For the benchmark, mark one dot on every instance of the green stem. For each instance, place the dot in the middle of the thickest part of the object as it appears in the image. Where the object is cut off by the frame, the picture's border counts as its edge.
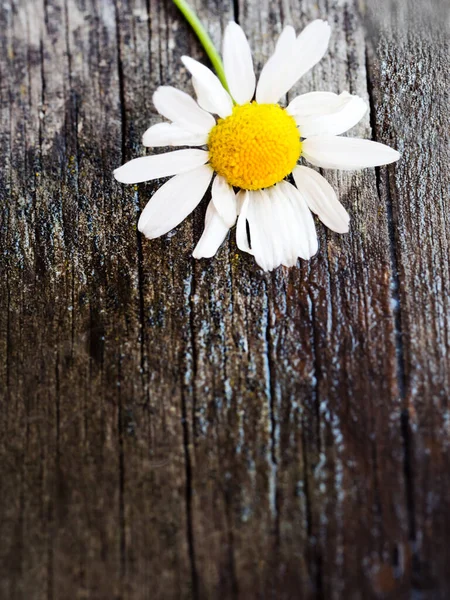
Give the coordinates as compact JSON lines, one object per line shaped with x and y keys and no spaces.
{"x":204,"y":38}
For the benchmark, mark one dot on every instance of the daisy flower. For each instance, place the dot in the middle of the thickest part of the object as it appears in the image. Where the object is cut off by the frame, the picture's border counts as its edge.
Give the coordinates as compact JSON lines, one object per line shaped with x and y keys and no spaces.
{"x":247,"y":145}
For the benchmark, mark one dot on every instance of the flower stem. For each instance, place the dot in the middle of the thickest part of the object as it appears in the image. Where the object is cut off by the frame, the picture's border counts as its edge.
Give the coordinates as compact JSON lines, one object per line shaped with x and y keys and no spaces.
{"x":204,"y":38}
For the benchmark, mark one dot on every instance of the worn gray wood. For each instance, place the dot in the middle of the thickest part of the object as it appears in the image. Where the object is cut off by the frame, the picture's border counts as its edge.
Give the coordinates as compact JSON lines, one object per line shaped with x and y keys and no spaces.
{"x":175,"y":429}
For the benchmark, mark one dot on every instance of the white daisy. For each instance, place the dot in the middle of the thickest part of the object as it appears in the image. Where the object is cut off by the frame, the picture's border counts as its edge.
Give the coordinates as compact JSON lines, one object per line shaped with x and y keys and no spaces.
{"x":252,"y":147}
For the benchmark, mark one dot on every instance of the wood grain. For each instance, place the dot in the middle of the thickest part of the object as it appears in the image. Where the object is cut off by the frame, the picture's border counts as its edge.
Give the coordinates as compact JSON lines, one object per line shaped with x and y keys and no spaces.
{"x":172,"y":428}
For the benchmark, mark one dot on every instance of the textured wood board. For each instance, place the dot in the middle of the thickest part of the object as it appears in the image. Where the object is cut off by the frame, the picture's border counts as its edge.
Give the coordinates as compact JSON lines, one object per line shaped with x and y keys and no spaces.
{"x":173,"y":428}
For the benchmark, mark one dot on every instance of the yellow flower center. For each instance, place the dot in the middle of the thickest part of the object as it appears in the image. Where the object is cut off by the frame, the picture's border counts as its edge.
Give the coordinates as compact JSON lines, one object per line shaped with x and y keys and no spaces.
{"x":255,"y":147}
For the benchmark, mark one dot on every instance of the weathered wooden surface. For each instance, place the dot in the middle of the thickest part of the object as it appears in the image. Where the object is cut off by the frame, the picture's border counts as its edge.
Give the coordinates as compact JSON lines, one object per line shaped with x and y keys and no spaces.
{"x":177,"y":429}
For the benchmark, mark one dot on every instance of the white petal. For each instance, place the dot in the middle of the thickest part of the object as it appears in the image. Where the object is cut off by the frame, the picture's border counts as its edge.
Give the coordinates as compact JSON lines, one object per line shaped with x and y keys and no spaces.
{"x":182,"y":110}
{"x":258,"y":217}
{"x":286,"y":39}
{"x":321,"y":199}
{"x":147,"y":168}
{"x":284,"y":225}
{"x":281,"y":227}
{"x":291,"y":60}
{"x":243,"y":199}
{"x":169,"y":134}
{"x":310,"y":48}
{"x":277,"y":68}
{"x":238,"y":64}
{"x":330,"y":152}
{"x":174,"y":200}
{"x":275,"y":224}
{"x":240,"y":197}
{"x":312,"y":103}
{"x":213,"y":235}
{"x":277,"y":227}
{"x":211,"y":95}
{"x":324,"y":113}
{"x":224,"y":200}
{"x":295,"y":238}
{"x":303,"y":223}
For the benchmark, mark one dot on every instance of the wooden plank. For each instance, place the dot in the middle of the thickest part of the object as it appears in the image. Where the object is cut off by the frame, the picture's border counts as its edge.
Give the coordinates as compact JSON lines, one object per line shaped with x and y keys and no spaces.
{"x":175,"y":428}
{"x":411,"y":109}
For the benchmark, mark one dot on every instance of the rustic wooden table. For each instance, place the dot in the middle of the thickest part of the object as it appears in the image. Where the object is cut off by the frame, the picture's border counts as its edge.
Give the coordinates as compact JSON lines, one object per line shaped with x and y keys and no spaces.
{"x":180,"y":429}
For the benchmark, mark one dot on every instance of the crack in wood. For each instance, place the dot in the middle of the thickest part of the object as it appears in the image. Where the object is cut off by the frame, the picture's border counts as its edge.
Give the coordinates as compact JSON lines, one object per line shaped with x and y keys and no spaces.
{"x":404,"y":418}
{"x":188,"y":499}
